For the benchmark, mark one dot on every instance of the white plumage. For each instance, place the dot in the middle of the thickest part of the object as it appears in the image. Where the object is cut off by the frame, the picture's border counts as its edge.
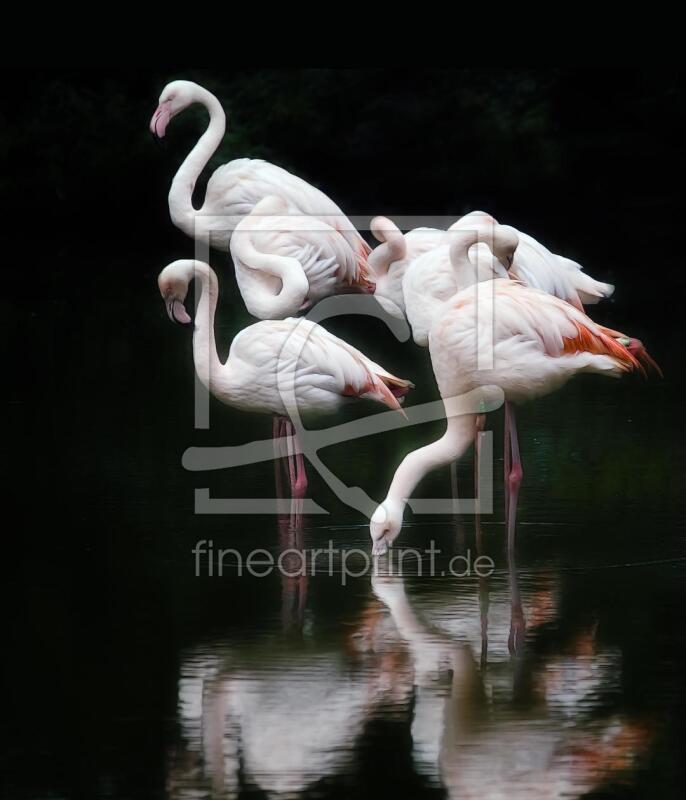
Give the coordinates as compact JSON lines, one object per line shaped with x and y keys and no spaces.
{"x":390,"y":260}
{"x":504,"y":334}
{"x":285,"y":263}
{"x":428,"y":279}
{"x":275,"y":366}
{"x":535,"y":341}
{"x":235,"y":188}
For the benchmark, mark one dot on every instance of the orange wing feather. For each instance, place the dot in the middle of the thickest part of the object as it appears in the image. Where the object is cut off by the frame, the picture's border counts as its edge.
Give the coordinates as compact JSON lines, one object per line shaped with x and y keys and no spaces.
{"x":599,"y":343}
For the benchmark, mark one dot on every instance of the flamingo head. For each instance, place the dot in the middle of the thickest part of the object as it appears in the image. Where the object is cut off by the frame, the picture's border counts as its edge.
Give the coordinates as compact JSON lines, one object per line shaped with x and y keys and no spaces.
{"x":385,"y":525}
{"x":173,"y":282}
{"x":505,"y":242}
{"x":175,"y":97}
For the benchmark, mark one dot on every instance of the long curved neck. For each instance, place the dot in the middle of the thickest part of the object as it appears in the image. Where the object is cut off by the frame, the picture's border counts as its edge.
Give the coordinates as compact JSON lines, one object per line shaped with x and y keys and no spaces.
{"x":294,"y":282}
{"x":205,"y":357}
{"x":181,"y":192}
{"x":457,"y":437}
{"x":465,"y":270}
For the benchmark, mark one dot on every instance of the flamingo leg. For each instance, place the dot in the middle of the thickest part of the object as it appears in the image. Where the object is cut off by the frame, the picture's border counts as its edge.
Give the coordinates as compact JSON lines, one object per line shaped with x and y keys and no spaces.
{"x":278,"y":455}
{"x":289,"y":431}
{"x":453,"y":480}
{"x":484,"y":597}
{"x":513,"y":480}
{"x":293,"y":584}
{"x":515,"y":640}
{"x":480,"y":425}
{"x":300,"y":476}
{"x":513,"y":476}
{"x":506,"y":459}
{"x":297,"y":473}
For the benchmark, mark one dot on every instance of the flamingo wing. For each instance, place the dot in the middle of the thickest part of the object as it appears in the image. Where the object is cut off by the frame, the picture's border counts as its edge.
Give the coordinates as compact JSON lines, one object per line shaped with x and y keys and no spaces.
{"x":535,"y":266}
{"x":325,"y":257}
{"x":560,"y":328}
{"x":238,"y":186}
{"x":334,"y":364}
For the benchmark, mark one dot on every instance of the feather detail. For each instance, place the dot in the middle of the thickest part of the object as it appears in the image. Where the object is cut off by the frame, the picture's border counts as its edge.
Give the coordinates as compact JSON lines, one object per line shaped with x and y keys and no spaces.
{"x":377,"y":390}
{"x":599,"y":343}
{"x":398,"y":386}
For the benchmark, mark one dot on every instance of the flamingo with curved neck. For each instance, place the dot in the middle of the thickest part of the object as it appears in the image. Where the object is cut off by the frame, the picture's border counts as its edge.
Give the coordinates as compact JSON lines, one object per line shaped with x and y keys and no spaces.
{"x":389,"y":261}
{"x":235,"y":188}
{"x":429,"y":279}
{"x":539,"y":343}
{"x":279,"y":367}
{"x":469,"y":251}
{"x":285,"y":263}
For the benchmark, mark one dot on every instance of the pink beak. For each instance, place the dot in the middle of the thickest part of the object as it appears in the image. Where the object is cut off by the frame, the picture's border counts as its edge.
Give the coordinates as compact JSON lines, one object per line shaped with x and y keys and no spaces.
{"x":177,"y":312}
{"x":160,"y":119}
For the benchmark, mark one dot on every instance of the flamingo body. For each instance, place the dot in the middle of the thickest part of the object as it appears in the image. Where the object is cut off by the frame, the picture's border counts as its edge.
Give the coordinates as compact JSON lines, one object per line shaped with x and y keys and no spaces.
{"x":539,"y":342}
{"x":534,"y":343}
{"x":429,"y":280}
{"x":390,"y":261}
{"x":235,"y":188}
{"x":285,"y":263}
{"x":275,"y":366}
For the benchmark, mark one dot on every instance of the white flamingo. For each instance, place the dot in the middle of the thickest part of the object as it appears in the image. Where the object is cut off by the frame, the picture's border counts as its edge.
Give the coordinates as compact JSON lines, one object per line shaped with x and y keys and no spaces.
{"x":428,"y":278}
{"x":286,"y":263}
{"x":536,"y":341}
{"x":389,"y":261}
{"x":275,"y":367}
{"x":235,"y":188}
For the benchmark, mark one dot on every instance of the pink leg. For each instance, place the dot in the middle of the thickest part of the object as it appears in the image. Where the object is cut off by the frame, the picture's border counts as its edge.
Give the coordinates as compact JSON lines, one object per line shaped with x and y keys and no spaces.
{"x":513,"y":481}
{"x":301,"y":476}
{"x":480,"y":425}
{"x":289,"y":430}
{"x":506,"y":459}
{"x":515,"y":640}
{"x":514,"y":476}
{"x":293,"y":584}
{"x":296,"y":464}
{"x":278,"y":455}
{"x":484,"y":596}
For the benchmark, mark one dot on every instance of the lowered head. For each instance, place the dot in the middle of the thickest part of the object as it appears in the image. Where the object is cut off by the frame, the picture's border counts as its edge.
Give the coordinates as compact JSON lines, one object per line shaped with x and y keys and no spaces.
{"x":385,"y":525}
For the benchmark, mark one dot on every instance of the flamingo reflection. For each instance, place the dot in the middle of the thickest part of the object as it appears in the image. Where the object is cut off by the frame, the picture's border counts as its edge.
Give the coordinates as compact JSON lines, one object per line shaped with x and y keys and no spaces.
{"x":493,"y":720}
{"x":282,"y":713}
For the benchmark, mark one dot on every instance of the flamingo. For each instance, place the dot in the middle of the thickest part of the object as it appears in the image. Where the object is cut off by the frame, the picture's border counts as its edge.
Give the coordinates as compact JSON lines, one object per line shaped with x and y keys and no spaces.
{"x":286,"y":263}
{"x":235,"y":188}
{"x":428,"y":279}
{"x":536,"y":266}
{"x":539,"y":342}
{"x":389,"y":261}
{"x":277,"y":367}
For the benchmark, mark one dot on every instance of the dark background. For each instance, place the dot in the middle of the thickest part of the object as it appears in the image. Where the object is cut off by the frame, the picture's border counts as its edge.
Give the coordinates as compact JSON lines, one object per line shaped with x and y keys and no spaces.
{"x":98,"y":396}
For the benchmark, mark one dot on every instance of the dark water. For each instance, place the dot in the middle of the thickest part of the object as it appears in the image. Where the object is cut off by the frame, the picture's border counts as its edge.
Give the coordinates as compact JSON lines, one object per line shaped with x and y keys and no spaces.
{"x":128,"y":675}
